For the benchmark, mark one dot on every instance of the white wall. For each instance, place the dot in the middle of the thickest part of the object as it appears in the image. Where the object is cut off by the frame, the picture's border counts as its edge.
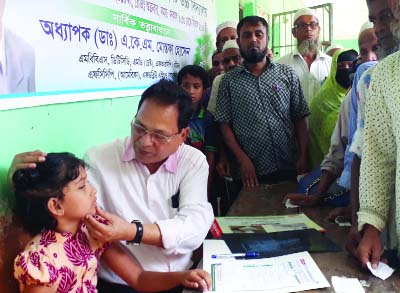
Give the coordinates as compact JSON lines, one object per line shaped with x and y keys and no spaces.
{"x":348,"y":15}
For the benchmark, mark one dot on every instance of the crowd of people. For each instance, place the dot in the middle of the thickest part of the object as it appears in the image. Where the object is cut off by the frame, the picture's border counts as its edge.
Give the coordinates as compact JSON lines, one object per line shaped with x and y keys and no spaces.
{"x":139,"y":206}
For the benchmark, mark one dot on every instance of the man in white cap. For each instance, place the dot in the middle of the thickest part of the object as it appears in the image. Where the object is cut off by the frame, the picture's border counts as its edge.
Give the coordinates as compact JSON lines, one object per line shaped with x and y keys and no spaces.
{"x":380,"y":176}
{"x":332,"y":49}
{"x":230,"y":59}
{"x":338,"y":162}
{"x":367,"y":43}
{"x":311,"y":65}
{"x":225,"y":31}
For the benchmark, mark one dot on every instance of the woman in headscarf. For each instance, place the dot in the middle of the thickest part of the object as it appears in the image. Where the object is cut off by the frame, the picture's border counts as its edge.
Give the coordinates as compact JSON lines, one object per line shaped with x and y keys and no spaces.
{"x":325,"y":105}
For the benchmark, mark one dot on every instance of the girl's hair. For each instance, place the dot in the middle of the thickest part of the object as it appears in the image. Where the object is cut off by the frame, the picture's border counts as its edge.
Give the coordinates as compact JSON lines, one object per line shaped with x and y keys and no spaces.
{"x":34,"y":187}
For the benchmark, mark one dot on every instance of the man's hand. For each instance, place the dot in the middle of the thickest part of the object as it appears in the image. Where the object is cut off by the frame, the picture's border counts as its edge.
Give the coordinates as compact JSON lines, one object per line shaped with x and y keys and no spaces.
{"x":370,"y":247}
{"x":114,"y":228}
{"x":25,"y":160}
{"x":302,"y":165}
{"x":249,"y":175}
{"x":199,"y":279}
{"x":353,"y":240}
{"x":223,"y":168}
{"x":302,"y":199}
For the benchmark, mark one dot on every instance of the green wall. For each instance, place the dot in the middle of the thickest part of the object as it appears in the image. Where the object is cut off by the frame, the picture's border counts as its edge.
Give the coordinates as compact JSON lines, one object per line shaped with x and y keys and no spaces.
{"x":69,"y":127}
{"x":72,"y":127}
{"x":227,"y":10}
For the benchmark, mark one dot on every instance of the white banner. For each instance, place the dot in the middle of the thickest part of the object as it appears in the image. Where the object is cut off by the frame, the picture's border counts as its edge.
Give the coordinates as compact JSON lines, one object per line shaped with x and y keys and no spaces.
{"x":55,"y":51}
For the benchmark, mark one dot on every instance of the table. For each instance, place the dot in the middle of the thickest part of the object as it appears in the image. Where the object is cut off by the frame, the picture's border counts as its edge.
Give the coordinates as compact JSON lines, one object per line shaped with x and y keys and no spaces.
{"x":267,"y":200}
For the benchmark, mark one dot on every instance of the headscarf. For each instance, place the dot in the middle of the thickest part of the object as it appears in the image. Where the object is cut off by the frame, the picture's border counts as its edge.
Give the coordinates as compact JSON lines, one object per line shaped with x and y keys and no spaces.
{"x":324,"y":109}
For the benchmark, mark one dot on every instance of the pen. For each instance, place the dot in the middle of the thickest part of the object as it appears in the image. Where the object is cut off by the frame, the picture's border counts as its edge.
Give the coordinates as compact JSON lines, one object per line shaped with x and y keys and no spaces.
{"x":248,"y":254}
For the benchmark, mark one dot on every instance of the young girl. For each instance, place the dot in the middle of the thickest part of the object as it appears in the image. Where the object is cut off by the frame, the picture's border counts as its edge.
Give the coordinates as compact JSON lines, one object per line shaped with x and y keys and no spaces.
{"x":51,"y":201}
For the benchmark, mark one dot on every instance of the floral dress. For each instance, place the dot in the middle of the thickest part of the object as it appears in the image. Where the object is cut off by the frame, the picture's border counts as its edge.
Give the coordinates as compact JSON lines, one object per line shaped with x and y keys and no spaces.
{"x":62,"y":261}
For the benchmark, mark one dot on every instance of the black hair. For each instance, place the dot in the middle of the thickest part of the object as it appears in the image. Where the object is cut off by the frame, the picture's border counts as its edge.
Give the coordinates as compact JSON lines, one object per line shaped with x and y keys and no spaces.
{"x":251,"y":20}
{"x":196,"y":71}
{"x":215,"y":53}
{"x":166,"y":92}
{"x":35,"y":187}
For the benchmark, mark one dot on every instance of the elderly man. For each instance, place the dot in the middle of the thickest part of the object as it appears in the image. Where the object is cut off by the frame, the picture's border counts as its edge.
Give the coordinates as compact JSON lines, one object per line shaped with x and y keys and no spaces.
{"x":225,"y":31}
{"x":377,"y":143}
{"x":311,"y":65}
{"x":257,"y":123}
{"x":337,"y":162}
{"x":152,"y":179}
{"x":230,"y":58}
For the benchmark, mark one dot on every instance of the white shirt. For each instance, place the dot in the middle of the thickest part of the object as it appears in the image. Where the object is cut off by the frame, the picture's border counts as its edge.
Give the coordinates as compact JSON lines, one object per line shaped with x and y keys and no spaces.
{"x":212,"y":103}
{"x":3,"y":64}
{"x":310,"y":79}
{"x":126,"y":187}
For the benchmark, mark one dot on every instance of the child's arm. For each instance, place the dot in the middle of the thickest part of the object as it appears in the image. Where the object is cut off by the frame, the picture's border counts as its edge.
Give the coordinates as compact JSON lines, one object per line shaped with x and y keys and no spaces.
{"x":38,"y":289}
{"x":131,"y":272}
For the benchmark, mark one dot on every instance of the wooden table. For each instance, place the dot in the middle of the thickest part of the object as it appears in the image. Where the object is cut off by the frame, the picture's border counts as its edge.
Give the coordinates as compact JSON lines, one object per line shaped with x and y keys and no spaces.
{"x":267,"y":200}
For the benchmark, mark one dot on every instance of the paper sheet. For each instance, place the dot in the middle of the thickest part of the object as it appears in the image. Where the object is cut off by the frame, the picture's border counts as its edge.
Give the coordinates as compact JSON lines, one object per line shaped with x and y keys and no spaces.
{"x":383,"y":271}
{"x":210,"y":247}
{"x":290,"y":205}
{"x":347,"y":285}
{"x":288,"y":273}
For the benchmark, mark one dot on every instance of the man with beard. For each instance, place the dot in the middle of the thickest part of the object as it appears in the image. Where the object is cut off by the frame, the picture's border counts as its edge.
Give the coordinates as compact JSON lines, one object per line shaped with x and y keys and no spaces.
{"x":377,"y":143}
{"x":311,"y":65}
{"x":262,"y":111}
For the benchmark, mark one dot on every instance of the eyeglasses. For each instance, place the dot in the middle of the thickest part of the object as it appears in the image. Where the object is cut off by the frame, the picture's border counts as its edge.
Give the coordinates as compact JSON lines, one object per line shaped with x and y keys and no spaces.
{"x":228,"y":59}
{"x":313,"y":25}
{"x":156,"y":137}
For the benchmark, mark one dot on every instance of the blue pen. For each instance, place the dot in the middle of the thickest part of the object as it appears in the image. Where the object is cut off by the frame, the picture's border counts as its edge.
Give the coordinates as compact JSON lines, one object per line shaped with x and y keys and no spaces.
{"x":248,"y":254}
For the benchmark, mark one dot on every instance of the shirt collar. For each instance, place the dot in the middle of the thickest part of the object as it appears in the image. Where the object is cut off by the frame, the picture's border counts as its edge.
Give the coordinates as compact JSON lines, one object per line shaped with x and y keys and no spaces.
{"x":271,"y":64}
{"x":3,"y":64}
{"x":171,"y":164}
{"x":320,"y":54}
{"x":199,"y":113}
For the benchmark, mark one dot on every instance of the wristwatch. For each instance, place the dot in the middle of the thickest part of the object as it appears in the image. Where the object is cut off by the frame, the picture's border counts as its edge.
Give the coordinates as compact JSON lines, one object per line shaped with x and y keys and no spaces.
{"x":139,"y":233}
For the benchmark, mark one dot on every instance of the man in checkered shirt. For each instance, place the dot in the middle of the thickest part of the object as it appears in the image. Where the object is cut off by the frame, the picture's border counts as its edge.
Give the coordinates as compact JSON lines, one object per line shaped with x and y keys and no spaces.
{"x":262,"y":111}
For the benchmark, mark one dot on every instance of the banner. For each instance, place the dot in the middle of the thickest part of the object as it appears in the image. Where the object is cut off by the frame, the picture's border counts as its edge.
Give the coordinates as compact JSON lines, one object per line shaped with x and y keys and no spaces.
{"x":55,"y":51}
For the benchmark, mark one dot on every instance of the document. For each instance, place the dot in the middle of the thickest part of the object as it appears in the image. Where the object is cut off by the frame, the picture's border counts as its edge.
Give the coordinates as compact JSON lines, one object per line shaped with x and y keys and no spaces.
{"x":288,"y":273}
{"x":266,"y":224}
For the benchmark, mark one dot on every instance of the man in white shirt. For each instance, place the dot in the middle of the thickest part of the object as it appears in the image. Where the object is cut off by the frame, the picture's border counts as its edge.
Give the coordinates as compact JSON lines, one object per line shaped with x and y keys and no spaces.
{"x":17,"y":61}
{"x":151,"y":177}
{"x":311,"y":65}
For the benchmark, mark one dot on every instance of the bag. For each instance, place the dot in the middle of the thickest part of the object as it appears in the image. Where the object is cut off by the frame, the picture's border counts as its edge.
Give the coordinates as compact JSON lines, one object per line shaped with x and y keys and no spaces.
{"x":335,"y":195}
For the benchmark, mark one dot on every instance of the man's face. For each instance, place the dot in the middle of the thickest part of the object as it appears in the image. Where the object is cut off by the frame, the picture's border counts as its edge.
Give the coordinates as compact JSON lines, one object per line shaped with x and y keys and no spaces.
{"x":217,"y":65}
{"x":381,"y":16}
{"x":226,"y":34}
{"x":157,"y":119}
{"x":231,"y":58}
{"x":306,"y":27}
{"x":253,"y":40}
{"x":368,"y":46}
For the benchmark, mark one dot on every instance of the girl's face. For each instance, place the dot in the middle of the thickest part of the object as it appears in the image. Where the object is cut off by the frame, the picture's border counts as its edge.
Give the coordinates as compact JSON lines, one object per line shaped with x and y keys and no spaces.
{"x":194,"y":86}
{"x":79,"y":198}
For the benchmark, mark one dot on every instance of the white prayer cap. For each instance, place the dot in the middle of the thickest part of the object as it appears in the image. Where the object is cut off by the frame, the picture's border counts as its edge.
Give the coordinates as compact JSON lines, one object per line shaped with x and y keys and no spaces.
{"x":226,"y":24}
{"x":333,"y":46}
{"x":365,"y":26}
{"x":304,"y":11}
{"x":230,"y":44}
